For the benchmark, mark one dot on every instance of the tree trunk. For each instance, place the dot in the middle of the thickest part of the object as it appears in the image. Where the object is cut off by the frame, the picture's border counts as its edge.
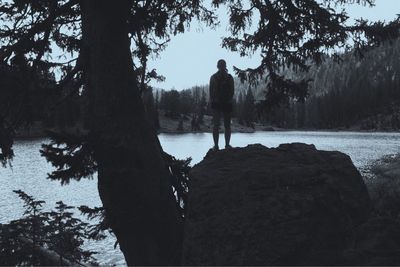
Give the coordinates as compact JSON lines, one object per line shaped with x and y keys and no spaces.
{"x":132,"y":177}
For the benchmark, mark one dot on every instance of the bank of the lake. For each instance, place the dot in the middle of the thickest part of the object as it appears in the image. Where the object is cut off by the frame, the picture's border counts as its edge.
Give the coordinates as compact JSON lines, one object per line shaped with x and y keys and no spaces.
{"x":183,"y":125}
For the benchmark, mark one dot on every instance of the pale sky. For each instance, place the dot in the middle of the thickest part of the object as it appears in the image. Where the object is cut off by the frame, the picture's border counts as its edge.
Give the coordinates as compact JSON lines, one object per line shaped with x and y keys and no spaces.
{"x":190,"y":58}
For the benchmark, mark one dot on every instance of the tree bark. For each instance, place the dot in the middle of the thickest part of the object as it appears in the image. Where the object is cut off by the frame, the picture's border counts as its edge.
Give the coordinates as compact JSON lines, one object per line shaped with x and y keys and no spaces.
{"x":132,"y":177}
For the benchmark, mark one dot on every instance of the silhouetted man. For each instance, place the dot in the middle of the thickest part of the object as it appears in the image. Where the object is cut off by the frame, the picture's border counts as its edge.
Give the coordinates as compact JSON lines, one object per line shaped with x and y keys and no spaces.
{"x":221,"y":94}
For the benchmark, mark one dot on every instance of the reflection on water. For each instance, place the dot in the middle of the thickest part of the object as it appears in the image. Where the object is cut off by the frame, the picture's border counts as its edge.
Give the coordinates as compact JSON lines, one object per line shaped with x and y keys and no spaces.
{"x":29,"y":169}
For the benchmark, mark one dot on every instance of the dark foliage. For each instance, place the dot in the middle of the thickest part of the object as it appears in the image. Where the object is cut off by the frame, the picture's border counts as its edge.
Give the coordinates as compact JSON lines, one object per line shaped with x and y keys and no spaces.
{"x":151,"y":107}
{"x":21,"y":102}
{"x":72,"y":156}
{"x":293,"y":34}
{"x":179,"y":177}
{"x":96,"y":231}
{"x":190,"y":101}
{"x":357,"y":92}
{"x":29,"y":32}
{"x":171,"y":102}
{"x":248,"y":111}
{"x":46,"y":238}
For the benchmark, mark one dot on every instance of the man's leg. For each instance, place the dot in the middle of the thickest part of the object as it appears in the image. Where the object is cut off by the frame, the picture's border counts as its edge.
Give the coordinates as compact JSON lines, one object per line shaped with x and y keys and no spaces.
{"x":216,"y":122}
{"x":227,"y":126}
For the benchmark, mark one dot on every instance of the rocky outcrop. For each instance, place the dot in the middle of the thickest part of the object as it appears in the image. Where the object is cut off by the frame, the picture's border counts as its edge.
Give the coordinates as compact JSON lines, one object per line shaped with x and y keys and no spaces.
{"x":291,"y":205}
{"x":375,"y":243}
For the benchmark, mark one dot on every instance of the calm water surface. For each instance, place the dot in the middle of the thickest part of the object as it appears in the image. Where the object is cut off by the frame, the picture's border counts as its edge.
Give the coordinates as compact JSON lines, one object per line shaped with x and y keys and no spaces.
{"x":29,"y":169}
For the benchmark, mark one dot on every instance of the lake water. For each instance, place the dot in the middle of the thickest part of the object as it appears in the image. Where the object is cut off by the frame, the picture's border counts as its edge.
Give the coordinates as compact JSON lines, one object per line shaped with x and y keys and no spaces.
{"x":29,"y":169}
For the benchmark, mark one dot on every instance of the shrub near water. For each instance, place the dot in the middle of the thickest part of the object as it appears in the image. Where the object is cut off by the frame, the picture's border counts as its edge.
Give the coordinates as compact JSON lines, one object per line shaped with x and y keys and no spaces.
{"x":56,"y":237}
{"x":384,"y":189}
{"x":47,"y":238}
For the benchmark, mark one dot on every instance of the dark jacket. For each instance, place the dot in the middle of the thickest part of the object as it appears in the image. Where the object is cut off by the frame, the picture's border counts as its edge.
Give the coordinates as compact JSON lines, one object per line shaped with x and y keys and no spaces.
{"x":218,"y":100}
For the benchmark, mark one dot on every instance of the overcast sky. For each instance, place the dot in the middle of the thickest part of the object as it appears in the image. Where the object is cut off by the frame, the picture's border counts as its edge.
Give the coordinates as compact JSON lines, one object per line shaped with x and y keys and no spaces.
{"x":190,"y":58}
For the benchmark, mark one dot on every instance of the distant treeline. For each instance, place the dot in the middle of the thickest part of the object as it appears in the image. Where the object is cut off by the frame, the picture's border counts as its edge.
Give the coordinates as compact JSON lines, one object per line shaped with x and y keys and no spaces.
{"x":364,"y":93}
{"x":361,"y":92}
{"x":194,"y":103}
{"x":42,"y":100}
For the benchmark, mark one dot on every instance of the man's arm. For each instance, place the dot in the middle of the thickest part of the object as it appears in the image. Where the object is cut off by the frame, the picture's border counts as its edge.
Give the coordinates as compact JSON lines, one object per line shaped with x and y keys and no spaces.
{"x":211,"y":89}
{"x":231,"y":87}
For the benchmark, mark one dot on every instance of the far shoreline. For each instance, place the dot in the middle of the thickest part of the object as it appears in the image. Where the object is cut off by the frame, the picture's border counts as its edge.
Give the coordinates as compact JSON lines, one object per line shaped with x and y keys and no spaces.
{"x":284,"y":130}
{"x":277,"y":130}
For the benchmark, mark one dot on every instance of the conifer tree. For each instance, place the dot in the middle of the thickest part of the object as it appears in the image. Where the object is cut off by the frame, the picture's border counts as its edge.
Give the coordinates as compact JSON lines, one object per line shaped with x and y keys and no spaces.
{"x":96,"y":38}
{"x":203,"y":107}
{"x":239,"y":108}
{"x":293,"y":34}
{"x":249,"y":108}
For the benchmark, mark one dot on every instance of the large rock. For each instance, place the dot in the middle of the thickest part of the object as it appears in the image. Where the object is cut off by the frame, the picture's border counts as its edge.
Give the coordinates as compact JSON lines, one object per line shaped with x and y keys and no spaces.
{"x":291,"y":205}
{"x":375,"y":243}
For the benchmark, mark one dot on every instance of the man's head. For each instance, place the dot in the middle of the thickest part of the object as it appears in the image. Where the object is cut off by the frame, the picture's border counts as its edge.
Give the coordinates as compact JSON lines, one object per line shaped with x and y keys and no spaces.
{"x":221,"y":65}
